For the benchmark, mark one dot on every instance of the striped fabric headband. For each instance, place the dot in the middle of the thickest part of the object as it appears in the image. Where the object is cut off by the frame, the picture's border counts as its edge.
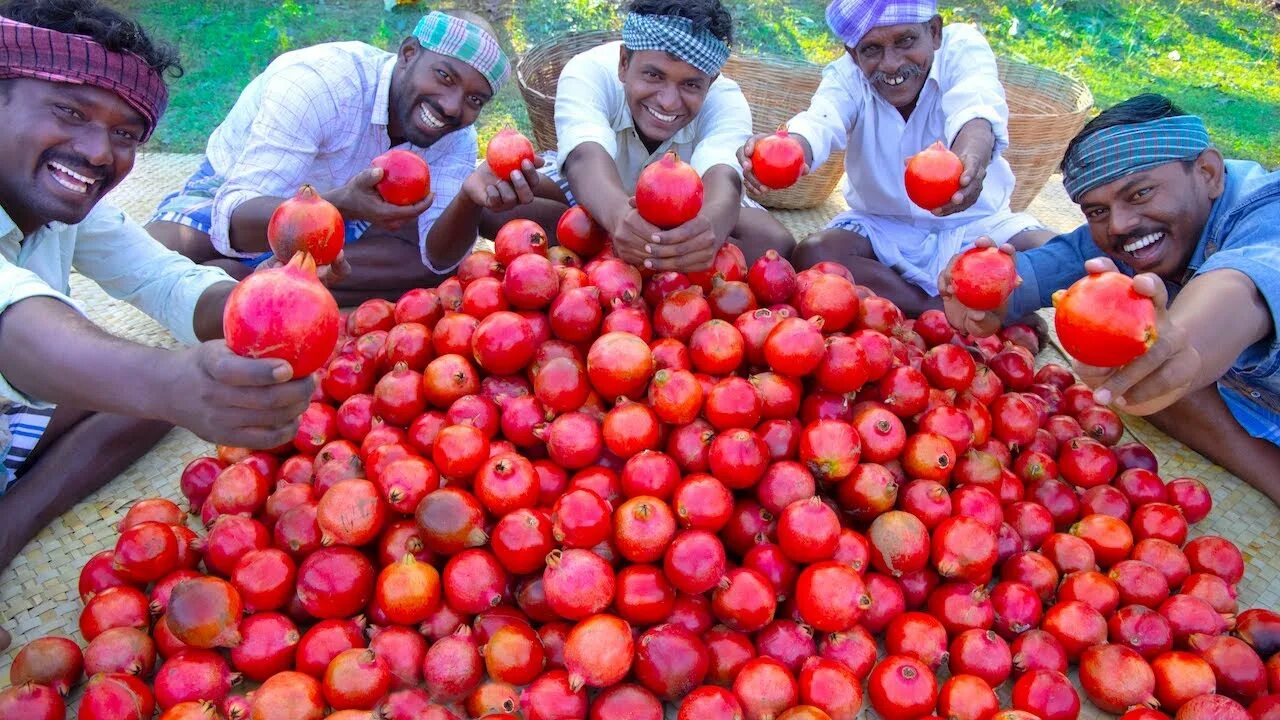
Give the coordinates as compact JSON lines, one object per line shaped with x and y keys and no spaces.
{"x":674,"y":34}
{"x":466,"y":41}
{"x":28,"y":51}
{"x":1114,"y":152}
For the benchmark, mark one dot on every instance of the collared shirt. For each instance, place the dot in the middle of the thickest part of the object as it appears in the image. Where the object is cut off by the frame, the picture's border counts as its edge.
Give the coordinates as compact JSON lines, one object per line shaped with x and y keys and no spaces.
{"x":1240,"y":234}
{"x":591,"y":106}
{"x":319,"y":115}
{"x":112,"y":250}
{"x":848,"y":114}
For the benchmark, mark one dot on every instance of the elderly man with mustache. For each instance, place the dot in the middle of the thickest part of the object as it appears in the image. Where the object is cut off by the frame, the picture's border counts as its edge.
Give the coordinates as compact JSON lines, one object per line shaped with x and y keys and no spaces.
{"x":905,"y":82}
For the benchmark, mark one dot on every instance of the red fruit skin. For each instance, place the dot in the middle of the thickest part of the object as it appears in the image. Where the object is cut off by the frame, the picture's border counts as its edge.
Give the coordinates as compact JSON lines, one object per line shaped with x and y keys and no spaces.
{"x":917,"y":635}
{"x":831,"y":596}
{"x":902,"y":688}
{"x":33,"y":702}
{"x":118,"y":650}
{"x":269,"y":645}
{"x":1180,"y":676}
{"x":983,"y":654}
{"x":967,"y":696}
{"x":933,"y":176}
{"x":123,"y":606}
{"x":406,"y":178}
{"x":550,"y":697}
{"x":56,"y":662}
{"x":1102,"y":321}
{"x":710,"y":703}
{"x":506,"y":152}
{"x":1211,"y":706}
{"x":1238,"y":670}
{"x":1047,"y":694}
{"x":283,"y":313}
{"x":335,"y":582}
{"x":193,"y":675}
{"x":307,"y":223}
{"x":668,"y":192}
{"x":983,"y":278}
{"x":765,"y":688}
{"x":777,"y":160}
{"x":288,"y":696}
{"x":1115,"y":678}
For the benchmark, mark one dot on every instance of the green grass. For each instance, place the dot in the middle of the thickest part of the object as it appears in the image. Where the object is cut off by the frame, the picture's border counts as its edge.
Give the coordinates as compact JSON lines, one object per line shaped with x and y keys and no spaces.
{"x":1216,"y":59}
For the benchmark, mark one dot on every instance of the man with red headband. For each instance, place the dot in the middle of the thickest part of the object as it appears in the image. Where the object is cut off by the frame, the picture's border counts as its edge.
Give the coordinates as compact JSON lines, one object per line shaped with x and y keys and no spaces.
{"x":81,"y":88}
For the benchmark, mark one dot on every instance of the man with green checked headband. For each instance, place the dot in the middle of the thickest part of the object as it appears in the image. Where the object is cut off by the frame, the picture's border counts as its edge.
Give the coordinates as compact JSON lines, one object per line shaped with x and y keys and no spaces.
{"x":623,"y":105}
{"x":320,"y":115}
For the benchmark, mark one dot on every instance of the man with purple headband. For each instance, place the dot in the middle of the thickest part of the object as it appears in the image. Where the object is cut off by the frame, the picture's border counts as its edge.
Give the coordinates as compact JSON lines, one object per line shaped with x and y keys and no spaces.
{"x":1201,"y":237}
{"x":81,"y":88}
{"x":904,"y":83}
{"x":320,"y":115}
{"x":623,"y":105}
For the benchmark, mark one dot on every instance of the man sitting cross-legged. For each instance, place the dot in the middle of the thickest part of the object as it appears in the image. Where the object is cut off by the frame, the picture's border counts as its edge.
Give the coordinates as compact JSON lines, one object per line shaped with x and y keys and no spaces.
{"x":1203,"y":236}
{"x":623,"y":105}
{"x":81,"y":88}
{"x":905,"y":82}
{"x":320,"y":115}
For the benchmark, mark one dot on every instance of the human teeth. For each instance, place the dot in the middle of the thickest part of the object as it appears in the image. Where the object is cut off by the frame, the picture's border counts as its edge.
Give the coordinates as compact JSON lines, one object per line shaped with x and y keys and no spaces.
{"x":895,"y":81}
{"x":429,"y":117}
{"x":660,"y":116}
{"x":63,"y":168}
{"x":1142,"y":242}
{"x":71,"y":181}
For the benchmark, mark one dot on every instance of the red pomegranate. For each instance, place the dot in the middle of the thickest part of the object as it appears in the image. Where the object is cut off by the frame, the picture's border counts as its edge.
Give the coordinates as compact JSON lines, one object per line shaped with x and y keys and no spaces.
{"x":283,"y":313}
{"x":669,"y":192}
{"x":307,"y":223}
{"x":406,"y":179}
{"x":1102,"y":321}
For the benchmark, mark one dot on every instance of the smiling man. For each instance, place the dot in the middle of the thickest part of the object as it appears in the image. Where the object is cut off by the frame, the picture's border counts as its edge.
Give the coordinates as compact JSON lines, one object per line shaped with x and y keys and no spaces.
{"x":320,"y":115}
{"x":81,"y":89}
{"x":904,"y":83}
{"x":623,"y":105}
{"x":1202,"y":235}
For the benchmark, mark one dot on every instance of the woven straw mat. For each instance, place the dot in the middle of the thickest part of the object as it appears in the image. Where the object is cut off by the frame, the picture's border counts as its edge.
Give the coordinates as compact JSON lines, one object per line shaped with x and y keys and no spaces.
{"x":38,"y":590}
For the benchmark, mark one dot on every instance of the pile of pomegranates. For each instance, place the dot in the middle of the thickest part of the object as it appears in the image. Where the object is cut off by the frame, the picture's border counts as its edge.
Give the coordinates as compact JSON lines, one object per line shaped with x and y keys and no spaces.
{"x":556,"y":487}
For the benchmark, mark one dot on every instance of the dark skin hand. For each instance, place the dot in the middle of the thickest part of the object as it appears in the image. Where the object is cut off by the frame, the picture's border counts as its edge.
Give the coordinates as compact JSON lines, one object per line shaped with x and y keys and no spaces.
{"x":597,"y":186}
{"x":218,"y":395}
{"x":974,"y":145}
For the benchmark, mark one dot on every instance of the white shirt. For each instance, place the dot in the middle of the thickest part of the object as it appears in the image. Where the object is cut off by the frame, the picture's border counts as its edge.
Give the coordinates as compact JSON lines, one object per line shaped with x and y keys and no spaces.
{"x":848,"y":114}
{"x":319,"y":115}
{"x":112,"y":250}
{"x":591,"y":106}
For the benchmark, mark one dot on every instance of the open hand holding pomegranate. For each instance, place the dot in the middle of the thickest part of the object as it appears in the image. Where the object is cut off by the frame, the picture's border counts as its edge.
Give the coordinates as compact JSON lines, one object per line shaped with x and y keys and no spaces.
{"x":359,"y":199}
{"x":233,"y":400}
{"x":499,"y":194}
{"x":982,"y":323}
{"x":777,"y":151}
{"x":1156,"y":378}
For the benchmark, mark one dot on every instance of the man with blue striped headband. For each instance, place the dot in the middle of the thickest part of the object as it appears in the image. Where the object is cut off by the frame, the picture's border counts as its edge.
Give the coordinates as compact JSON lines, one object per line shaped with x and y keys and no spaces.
{"x":319,"y":116}
{"x":1201,"y":236}
{"x":904,"y":83}
{"x":623,"y":105}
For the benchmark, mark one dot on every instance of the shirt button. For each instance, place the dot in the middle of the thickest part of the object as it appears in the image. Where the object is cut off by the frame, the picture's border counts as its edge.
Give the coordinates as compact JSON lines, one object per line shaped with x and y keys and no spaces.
{"x":1255,"y":394}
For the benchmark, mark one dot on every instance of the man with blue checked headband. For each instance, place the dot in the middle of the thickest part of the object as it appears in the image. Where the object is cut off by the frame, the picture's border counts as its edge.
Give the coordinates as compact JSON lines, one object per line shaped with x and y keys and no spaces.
{"x":1201,"y":237}
{"x":623,"y":105}
{"x":320,"y":115}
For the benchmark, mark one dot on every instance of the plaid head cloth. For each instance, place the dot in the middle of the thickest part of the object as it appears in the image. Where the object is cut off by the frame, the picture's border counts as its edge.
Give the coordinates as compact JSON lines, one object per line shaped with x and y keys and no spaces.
{"x":851,"y":19}
{"x":466,"y":41}
{"x":674,"y":34}
{"x":28,"y":51}
{"x":1112,"y":153}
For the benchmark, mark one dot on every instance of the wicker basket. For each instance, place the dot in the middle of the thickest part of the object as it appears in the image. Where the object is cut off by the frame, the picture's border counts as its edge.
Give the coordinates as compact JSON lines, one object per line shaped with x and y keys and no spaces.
{"x":1046,"y":110}
{"x":776,"y":90}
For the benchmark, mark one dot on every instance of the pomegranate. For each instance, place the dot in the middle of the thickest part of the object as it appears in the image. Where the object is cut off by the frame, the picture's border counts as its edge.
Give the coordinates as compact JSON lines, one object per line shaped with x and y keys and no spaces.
{"x":283,"y":313}
{"x":1102,"y":321}
{"x":668,"y":192}
{"x":307,"y":223}
{"x":406,"y":179}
